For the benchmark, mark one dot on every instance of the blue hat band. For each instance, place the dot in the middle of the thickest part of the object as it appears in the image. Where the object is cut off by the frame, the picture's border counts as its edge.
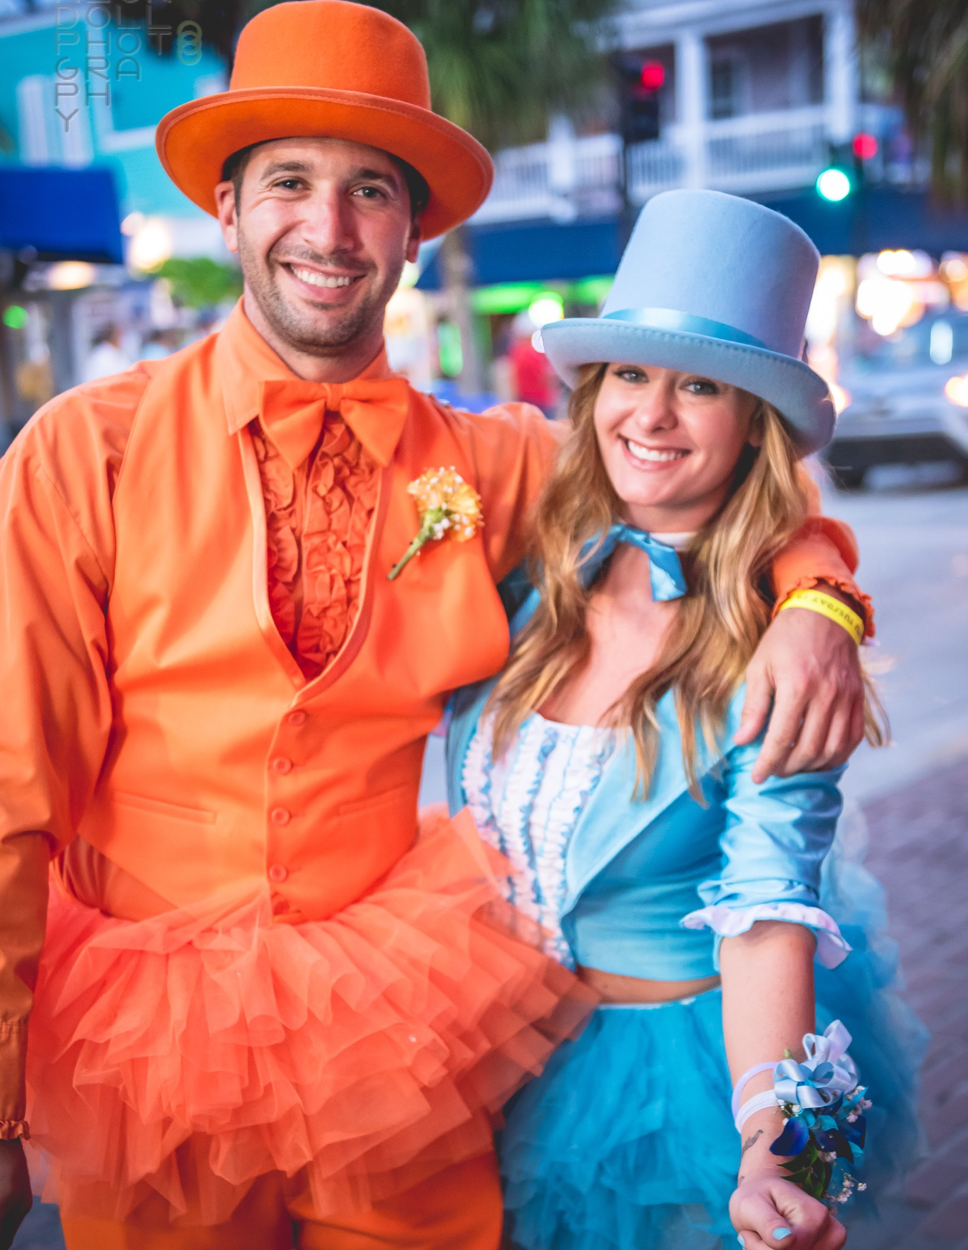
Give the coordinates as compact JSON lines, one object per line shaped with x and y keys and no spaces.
{"x":673,"y":319}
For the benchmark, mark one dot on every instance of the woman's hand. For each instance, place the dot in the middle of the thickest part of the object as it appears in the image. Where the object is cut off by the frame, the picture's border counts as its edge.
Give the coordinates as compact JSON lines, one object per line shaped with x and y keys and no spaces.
{"x":771,"y":1213}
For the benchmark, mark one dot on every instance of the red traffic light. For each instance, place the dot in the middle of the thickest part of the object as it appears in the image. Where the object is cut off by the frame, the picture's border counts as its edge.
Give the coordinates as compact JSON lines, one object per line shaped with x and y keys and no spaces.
{"x":865,"y":146}
{"x":652,"y":76}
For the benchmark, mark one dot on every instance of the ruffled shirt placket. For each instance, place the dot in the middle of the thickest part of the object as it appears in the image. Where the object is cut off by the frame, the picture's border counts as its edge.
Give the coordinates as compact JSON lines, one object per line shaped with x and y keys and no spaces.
{"x":317,"y":520}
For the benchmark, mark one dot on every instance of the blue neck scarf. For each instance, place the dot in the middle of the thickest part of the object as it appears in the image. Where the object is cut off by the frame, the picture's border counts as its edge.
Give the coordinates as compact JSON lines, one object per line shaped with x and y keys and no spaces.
{"x":665,"y":569}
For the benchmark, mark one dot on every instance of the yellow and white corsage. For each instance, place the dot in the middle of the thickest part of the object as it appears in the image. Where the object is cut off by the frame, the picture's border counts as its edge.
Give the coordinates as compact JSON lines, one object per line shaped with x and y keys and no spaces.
{"x":446,"y":504}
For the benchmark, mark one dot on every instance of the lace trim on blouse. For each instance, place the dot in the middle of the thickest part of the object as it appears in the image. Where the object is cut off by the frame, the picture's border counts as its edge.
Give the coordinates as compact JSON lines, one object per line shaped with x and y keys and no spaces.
{"x":527,"y":805}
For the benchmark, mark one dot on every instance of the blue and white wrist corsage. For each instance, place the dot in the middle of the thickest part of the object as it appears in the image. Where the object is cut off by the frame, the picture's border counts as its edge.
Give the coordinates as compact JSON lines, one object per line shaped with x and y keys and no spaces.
{"x":823,"y":1107}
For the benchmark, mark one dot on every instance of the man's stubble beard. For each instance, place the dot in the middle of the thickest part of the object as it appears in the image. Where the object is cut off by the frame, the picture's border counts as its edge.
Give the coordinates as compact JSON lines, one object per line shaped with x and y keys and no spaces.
{"x":340,"y":332}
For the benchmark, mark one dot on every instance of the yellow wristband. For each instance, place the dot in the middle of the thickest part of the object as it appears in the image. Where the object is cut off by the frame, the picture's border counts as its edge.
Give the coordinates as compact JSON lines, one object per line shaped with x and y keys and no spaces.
{"x":829,"y":607}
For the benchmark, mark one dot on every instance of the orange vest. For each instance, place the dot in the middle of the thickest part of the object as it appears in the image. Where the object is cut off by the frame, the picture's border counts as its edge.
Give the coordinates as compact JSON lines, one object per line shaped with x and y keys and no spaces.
{"x":225,"y":766}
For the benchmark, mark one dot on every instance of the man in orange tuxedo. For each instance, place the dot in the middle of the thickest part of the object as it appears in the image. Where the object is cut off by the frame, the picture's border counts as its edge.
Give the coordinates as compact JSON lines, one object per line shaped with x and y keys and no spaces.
{"x":216,"y":700}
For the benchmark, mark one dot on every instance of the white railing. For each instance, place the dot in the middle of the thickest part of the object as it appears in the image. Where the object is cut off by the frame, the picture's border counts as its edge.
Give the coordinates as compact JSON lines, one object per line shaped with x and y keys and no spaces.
{"x":766,"y":151}
{"x":522,"y":186}
{"x":597,"y":162}
{"x":758,"y":152}
{"x":656,"y":166}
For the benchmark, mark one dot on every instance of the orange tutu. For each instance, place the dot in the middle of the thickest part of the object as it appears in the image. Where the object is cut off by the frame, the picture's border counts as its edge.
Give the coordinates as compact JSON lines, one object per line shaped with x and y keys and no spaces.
{"x":192,"y":1052}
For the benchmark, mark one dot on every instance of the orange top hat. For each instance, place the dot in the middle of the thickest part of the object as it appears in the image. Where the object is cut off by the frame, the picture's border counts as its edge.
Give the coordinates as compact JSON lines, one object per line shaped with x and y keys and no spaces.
{"x":328,"y":69}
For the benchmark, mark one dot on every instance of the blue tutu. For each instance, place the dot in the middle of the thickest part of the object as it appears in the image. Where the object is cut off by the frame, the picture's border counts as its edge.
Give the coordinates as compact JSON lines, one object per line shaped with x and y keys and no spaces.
{"x":626,"y":1140}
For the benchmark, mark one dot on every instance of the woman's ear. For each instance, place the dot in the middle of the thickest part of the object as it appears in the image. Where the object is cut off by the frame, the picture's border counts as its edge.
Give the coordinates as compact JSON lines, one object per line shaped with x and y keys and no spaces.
{"x":757,"y":431}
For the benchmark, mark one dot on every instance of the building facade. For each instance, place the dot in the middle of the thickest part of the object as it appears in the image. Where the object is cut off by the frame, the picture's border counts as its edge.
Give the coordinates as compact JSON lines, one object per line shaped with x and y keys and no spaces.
{"x":81,"y":85}
{"x":755,"y":94}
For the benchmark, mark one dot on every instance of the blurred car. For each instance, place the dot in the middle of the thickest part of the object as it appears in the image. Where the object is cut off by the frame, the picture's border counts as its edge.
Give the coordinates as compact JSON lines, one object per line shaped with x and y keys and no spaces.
{"x":906,"y":399}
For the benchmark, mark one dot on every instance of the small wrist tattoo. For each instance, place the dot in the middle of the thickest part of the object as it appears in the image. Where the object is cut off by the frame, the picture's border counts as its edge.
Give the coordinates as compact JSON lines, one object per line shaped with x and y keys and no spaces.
{"x":750,"y":1140}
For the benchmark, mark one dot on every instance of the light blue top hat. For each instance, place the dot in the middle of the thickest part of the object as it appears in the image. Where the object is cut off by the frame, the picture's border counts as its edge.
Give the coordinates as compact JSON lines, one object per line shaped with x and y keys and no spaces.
{"x":716,"y":285}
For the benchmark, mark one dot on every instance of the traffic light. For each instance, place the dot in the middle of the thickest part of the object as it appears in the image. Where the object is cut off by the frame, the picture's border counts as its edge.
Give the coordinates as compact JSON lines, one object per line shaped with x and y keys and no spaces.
{"x":639,"y":83}
{"x":834,"y":184}
{"x":865,"y":146}
{"x":845,"y":170}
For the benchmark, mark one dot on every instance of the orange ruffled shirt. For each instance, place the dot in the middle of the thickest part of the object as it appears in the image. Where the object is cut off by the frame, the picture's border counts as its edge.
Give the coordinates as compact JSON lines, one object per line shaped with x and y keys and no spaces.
{"x":317,"y":517}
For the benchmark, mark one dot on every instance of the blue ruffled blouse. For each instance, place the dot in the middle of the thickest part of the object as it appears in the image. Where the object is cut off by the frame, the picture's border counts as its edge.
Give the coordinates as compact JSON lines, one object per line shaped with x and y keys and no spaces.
{"x":652,"y":885}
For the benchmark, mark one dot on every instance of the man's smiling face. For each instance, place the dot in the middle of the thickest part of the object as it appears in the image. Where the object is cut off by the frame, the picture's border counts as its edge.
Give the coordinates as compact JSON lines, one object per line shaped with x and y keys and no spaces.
{"x":322,"y":228}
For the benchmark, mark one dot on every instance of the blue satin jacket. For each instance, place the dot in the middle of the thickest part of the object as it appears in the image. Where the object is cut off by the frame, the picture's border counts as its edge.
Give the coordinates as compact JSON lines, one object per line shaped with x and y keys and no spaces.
{"x":638,"y":868}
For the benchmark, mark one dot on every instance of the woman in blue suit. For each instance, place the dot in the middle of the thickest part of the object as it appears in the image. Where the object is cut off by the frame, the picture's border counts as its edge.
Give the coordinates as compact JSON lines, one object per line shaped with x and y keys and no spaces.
{"x":602,"y":764}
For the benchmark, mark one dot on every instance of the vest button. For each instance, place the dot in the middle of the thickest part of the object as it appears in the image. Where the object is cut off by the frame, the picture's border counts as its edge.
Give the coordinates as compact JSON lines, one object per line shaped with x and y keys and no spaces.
{"x":297,"y":718}
{"x":279,"y":816}
{"x":282,"y":765}
{"x":278,"y":873}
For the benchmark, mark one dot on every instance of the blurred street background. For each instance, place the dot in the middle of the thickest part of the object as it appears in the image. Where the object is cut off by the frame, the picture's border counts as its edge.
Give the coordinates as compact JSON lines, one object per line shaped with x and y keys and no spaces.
{"x":847,"y":115}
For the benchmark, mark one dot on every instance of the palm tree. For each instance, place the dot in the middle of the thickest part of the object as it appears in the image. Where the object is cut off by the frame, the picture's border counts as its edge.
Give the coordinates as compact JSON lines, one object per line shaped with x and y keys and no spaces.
{"x":926,"y":44}
{"x":499,"y":68}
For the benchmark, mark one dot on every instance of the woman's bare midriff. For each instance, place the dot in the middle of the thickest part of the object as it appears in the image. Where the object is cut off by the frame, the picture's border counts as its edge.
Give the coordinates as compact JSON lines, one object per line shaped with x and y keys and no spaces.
{"x":613,"y":988}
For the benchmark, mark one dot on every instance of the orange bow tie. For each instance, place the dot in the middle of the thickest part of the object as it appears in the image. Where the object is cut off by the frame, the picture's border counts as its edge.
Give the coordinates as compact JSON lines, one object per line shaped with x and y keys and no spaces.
{"x":293,"y":412}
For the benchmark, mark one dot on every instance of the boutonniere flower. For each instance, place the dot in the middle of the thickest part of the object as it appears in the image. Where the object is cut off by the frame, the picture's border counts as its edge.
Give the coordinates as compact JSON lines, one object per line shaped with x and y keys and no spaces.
{"x":446,"y":504}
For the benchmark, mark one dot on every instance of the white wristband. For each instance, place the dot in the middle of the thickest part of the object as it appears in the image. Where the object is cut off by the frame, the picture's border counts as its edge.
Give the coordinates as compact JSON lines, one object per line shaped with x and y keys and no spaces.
{"x":738,"y":1087}
{"x":757,"y":1103}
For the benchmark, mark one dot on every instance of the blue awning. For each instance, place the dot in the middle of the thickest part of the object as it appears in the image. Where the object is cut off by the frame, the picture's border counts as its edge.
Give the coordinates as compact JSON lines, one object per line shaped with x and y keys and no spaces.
{"x":66,"y":214}
{"x":867,"y":221}
{"x":536,"y":251}
{"x":875,"y":218}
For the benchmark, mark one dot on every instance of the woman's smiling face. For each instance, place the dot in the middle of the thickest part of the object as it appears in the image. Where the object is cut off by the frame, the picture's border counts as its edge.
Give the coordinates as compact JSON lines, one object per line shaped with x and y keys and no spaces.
{"x":670,"y":443}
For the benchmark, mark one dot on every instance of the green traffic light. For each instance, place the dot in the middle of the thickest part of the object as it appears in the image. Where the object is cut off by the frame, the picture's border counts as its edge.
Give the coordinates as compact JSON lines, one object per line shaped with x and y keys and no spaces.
{"x":15,"y":317}
{"x":834,"y":184}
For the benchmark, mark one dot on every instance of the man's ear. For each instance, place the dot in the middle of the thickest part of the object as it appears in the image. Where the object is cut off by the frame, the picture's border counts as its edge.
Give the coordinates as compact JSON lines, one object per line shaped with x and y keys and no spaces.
{"x":228,"y":217}
{"x":413,"y":242}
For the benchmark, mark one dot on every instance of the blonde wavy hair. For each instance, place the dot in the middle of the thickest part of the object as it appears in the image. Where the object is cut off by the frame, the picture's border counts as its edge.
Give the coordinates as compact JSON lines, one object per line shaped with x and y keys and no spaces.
{"x":720,"y":621}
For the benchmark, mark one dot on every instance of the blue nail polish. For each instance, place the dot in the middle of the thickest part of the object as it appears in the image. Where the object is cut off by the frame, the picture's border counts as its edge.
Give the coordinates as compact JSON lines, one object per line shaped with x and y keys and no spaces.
{"x":780,"y":1234}
{"x":739,"y":1238}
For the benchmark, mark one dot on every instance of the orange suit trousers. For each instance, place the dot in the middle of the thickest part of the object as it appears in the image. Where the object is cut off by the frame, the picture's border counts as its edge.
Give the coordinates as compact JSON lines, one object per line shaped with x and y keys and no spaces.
{"x":457,"y":1209}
